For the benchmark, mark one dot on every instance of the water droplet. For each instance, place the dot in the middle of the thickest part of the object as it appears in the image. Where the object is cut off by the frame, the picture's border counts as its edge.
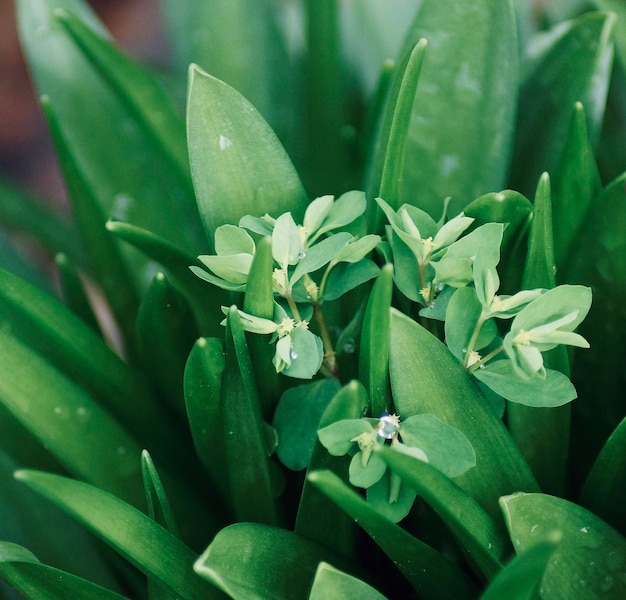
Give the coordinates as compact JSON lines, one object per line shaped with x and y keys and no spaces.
{"x":464,"y":350}
{"x":225,"y":142}
{"x":301,"y":254}
{"x":388,"y":426}
{"x":481,"y":367}
{"x":293,"y":354}
{"x":349,"y":346}
{"x":584,"y":530}
{"x":58,"y":410}
{"x":607,"y":583}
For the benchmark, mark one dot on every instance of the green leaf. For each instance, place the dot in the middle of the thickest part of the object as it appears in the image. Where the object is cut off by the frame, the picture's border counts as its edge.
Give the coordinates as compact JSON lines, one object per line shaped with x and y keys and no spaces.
{"x":247,"y":461}
{"x":237,"y":163}
{"x":320,"y":254}
{"x":347,"y":276}
{"x":575,"y":183}
{"x":129,"y":532}
{"x":475,"y":530}
{"x":52,"y":52}
{"x":357,"y":249}
{"x":306,"y":353}
{"x":554,"y":390}
{"x":38,"y":581}
{"x":588,"y":563}
{"x":426,"y":569}
{"x":337,"y":530}
{"x":374,"y":349}
{"x":337,"y":437}
{"x":447,"y":448}
{"x":203,"y":392}
{"x":345,"y":209}
{"x":426,"y":378}
{"x":390,"y":149}
{"x":66,"y":419}
{"x":74,"y":294}
{"x":297,"y":418}
{"x":137,"y":91}
{"x":333,"y":584}
{"x":166,"y":332}
{"x":604,"y":492}
{"x":180,"y":267}
{"x":462,"y":127}
{"x":521,"y":578}
{"x":159,"y":508}
{"x":34,"y":217}
{"x":249,"y":560}
{"x":582,"y":47}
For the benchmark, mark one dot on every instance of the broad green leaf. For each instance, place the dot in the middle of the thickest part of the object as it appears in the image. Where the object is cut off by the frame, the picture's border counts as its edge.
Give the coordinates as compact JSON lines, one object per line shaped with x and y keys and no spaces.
{"x":52,"y":53}
{"x":287,"y":243}
{"x":554,"y":390}
{"x":180,"y":267}
{"x":427,"y":378}
{"x":237,"y":163}
{"x":66,"y":419}
{"x":357,"y":249}
{"x":166,"y":332}
{"x":33,"y":216}
{"x":233,"y":268}
{"x":141,"y":541}
{"x":306,"y":353}
{"x":253,"y":561}
{"x":447,"y":448}
{"x":38,"y":581}
{"x":333,"y":584}
{"x":463,"y":119}
{"x":320,"y":254}
{"x":582,"y":47}
{"x":297,"y":418}
{"x":587,"y":564}
{"x":374,"y":349}
{"x":427,"y":570}
{"x":74,"y":294}
{"x":385,"y":177}
{"x":344,"y":210}
{"x":338,"y":437}
{"x":137,"y":91}
{"x":521,"y":578}
{"x":346,"y":276}
{"x":247,"y":461}
{"x":203,"y":392}
{"x":474,"y":529}
{"x":575,"y":183}
{"x":405,"y":268}
{"x":604,"y":492}
{"x":232,"y":239}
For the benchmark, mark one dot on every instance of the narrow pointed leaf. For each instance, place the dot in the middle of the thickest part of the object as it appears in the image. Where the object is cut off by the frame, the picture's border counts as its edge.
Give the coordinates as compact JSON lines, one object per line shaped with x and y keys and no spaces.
{"x":159,"y":507}
{"x":390,"y":150}
{"x":427,"y":378}
{"x":144,"y":543}
{"x":463,"y":119}
{"x":374,"y":348}
{"x":428,"y":571}
{"x":237,"y":163}
{"x":588,"y":563}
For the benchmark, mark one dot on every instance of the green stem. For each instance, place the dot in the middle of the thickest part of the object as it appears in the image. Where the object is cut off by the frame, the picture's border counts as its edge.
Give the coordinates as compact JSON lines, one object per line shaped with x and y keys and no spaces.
{"x":293,"y":306}
{"x":473,"y":338}
{"x":329,"y":352}
{"x":486,"y":359}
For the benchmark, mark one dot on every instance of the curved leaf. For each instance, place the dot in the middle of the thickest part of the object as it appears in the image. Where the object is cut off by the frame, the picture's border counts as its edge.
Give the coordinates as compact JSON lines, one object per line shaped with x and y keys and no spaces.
{"x":237,"y":163}
{"x":137,"y":538}
{"x":588,"y":563}
{"x":427,"y":378}
{"x":463,"y":118}
{"x":428,"y":571}
{"x":333,"y":584}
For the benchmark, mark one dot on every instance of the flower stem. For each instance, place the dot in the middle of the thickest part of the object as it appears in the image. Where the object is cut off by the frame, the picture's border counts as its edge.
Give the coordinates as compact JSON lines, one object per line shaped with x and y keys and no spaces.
{"x":329,"y":352}
{"x":485,"y":359}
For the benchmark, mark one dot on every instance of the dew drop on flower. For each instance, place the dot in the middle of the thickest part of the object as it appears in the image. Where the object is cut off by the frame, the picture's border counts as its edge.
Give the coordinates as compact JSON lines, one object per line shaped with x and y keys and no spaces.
{"x":293,"y":354}
{"x":388,"y":426}
{"x":301,"y":254}
{"x":464,"y":350}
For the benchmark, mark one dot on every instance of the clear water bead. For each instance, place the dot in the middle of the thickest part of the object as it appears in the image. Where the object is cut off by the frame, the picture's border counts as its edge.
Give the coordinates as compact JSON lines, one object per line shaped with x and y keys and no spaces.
{"x":293,"y":354}
{"x":301,"y":254}
{"x":388,"y":426}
